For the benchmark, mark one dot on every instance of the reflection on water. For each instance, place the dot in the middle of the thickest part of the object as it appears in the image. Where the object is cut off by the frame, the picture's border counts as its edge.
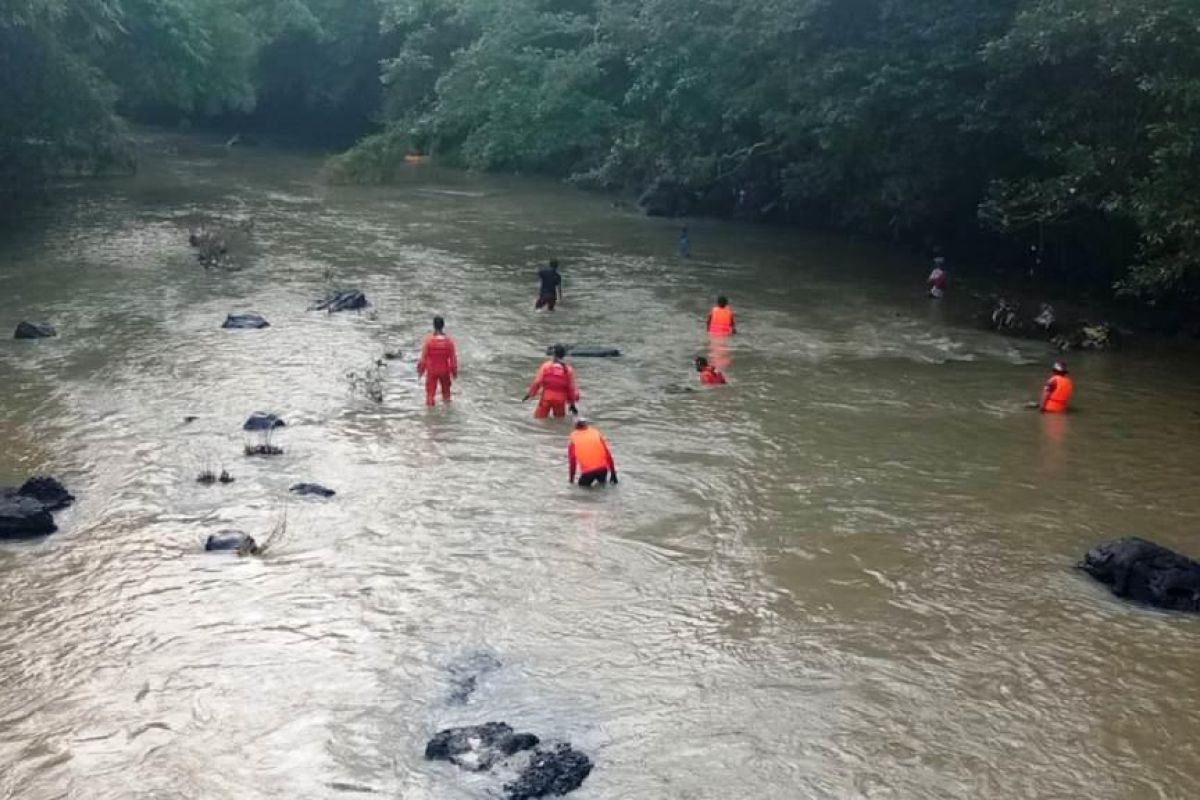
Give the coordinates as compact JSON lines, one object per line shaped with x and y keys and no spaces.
{"x":845,"y":575}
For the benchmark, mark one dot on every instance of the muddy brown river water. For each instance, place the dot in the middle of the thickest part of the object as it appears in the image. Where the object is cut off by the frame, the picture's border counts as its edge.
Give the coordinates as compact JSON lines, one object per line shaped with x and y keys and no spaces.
{"x":846,"y":575}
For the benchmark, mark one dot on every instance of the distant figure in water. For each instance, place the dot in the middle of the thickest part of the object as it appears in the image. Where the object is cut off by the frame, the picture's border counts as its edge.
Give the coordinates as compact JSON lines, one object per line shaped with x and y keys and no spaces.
{"x":1056,"y":394}
{"x":720,"y":318}
{"x":709,"y":375}
{"x":438,"y":362}
{"x":685,"y":243}
{"x":937,"y":278}
{"x":589,"y":454}
{"x":556,"y":381}
{"x":551,"y":287}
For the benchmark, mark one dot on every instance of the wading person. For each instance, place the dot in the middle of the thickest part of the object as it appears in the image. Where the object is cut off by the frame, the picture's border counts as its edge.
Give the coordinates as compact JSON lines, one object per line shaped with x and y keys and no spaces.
{"x":937,"y":278}
{"x":555,"y":379}
{"x":438,"y":362}
{"x":709,"y":375}
{"x":550,"y":289}
{"x":588,"y":452}
{"x":720,"y":318}
{"x":1056,"y":394}
{"x":685,"y":243}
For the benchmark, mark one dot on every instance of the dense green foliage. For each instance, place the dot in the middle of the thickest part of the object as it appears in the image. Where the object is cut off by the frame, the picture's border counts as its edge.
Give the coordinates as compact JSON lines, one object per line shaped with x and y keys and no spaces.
{"x":1061,"y":131}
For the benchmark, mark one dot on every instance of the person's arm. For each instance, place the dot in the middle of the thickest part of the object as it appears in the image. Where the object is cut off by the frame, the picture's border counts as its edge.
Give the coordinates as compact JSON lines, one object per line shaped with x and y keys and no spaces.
{"x":1047,"y":390}
{"x":571,"y":463}
{"x":732,"y":323}
{"x":558,"y":288}
{"x":423,"y":362}
{"x":572,"y":389}
{"x":453,"y":358}
{"x":536,"y":386}
{"x":708,"y":322}
{"x":608,"y":457}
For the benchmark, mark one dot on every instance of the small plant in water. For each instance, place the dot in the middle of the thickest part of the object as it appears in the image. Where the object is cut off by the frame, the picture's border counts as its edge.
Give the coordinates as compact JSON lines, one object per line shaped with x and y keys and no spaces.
{"x":209,"y":475}
{"x":264,"y":448}
{"x":252,"y":548}
{"x":368,"y":382}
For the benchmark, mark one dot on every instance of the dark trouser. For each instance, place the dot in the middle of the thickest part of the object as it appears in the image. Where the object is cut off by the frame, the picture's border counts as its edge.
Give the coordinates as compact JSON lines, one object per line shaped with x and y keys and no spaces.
{"x":595,"y":476}
{"x":547,"y":300}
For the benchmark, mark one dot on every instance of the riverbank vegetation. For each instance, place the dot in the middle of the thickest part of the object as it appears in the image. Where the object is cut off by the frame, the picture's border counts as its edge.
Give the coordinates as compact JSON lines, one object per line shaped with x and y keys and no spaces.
{"x":1063,"y":134}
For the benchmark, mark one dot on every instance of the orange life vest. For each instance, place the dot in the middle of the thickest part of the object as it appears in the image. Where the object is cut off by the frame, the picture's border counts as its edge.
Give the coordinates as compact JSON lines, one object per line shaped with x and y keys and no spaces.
{"x":1060,"y":394}
{"x":710,"y":377}
{"x":590,"y":451}
{"x":720,"y":320}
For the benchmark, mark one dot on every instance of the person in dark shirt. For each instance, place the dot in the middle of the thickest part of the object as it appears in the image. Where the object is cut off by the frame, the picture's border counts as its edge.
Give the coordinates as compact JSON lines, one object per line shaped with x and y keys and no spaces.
{"x":551,"y":289}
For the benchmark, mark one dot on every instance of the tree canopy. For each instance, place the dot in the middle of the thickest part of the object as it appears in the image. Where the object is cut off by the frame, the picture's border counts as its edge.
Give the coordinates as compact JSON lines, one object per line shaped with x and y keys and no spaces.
{"x":1068,"y":126}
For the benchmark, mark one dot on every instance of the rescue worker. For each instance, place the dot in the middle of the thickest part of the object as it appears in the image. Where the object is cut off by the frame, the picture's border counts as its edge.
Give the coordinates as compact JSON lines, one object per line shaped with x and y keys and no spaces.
{"x":938,"y":279}
{"x":1056,"y":394}
{"x":556,"y":381}
{"x":685,"y":243}
{"x":550,"y":290}
{"x":709,"y":375}
{"x":438,"y":362}
{"x":720,"y":318}
{"x":588,"y":452}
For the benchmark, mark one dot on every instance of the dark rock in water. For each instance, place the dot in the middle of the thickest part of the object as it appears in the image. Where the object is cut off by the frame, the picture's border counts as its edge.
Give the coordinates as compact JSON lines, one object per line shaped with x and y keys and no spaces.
{"x":550,"y":772}
{"x":666,"y":198}
{"x":190,"y":418}
{"x":345,"y":300}
{"x":311,"y":489}
{"x":48,"y":491}
{"x":581,"y":351}
{"x":1087,"y":337}
{"x":1144,"y":572}
{"x":231,"y":540}
{"x":22,"y":516}
{"x":262,"y":421}
{"x":392,"y":355}
{"x":25,"y":511}
{"x":34,"y":330}
{"x":478,"y":747}
{"x":466,"y":672}
{"x":245,"y":321}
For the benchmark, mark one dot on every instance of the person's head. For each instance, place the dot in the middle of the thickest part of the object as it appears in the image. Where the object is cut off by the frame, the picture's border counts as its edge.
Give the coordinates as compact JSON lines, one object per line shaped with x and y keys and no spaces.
{"x":580,"y":423}
{"x":438,"y":324}
{"x":554,"y":264}
{"x":701,"y":363}
{"x":722,"y":301}
{"x":559,"y":352}
{"x":1060,"y":368}
{"x":939,"y":261}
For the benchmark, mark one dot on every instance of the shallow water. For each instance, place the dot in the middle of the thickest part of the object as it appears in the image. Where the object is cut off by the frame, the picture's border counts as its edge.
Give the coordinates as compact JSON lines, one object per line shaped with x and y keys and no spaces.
{"x":845,"y":575}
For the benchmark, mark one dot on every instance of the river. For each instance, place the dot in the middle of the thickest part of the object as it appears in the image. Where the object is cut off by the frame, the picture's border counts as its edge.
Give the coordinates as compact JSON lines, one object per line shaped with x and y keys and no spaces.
{"x":846,"y":575}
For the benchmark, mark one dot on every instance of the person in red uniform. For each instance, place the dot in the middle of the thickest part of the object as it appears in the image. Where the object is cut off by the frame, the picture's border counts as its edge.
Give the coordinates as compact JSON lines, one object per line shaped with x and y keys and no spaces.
{"x":589,"y":454}
{"x":720,"y":318}
{"x":556,"y":381}
{"x":438,"y":363}
{"x":1056,"y":394}
{"x":709,"y":375}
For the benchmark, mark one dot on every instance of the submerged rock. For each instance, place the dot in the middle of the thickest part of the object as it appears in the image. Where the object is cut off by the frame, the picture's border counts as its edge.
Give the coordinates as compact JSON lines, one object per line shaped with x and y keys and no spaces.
{"x":34,"y":330}
{"x":245,"y":321}
{"x":1087,"y":336}
{"x":551,"y":772}
{"x":262,"y":421}
{"x":1144,"y":572}
{"x":583,"y":351}
{"x":465,"y":673}
{"x":26,"y":511}
{"x":315,"y":489}
{"x":344,"y":300}
{"x":478,"y":747}
{"x":231,"y":540}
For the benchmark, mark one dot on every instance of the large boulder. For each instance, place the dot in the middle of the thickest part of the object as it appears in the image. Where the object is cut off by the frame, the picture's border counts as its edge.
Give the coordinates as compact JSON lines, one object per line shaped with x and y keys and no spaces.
{"x":34,"y":330}
{"x":26,"y":511}
{"x":1145,"y":572}
{"x":540,"y":770}
{"x":311,"y":489}
{"x":666,"y":198}
{"x":342,"y":300}
{"x":583,"y":351}
{"x":231,"y":540}
{"x":262,"y":421}
{"x":478,"y":747}
{"x":245,"y":321}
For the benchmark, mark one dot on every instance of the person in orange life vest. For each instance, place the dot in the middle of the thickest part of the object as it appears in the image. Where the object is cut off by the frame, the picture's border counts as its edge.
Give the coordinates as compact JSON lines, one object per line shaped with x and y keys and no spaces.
{"x":438,"y":363}
{"x":709,"y":376}
{"x":588,"y":452}
{"x":720,"y":319}
{"x":1056,"y":394}
{"x":556,"y":381}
